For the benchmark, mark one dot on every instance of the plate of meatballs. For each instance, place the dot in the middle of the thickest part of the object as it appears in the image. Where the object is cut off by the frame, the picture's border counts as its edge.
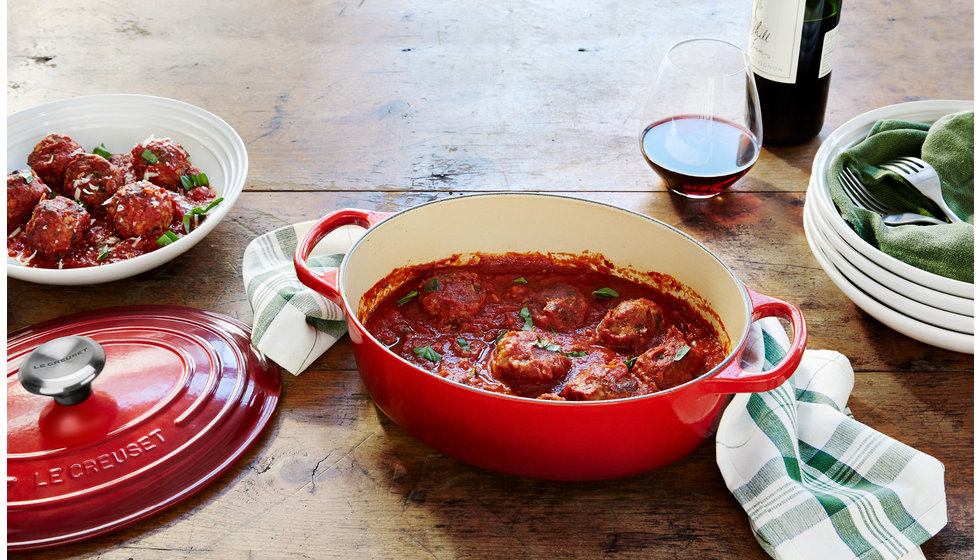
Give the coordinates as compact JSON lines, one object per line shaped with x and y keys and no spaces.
{"x":104,"y":187}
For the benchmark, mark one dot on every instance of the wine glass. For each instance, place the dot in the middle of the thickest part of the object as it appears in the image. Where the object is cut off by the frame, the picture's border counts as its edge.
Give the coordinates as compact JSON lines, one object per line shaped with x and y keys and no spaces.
{"x":702,"y":124}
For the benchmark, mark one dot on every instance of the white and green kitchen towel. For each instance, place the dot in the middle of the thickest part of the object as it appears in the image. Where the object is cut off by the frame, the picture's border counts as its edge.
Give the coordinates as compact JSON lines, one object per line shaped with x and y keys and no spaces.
{"x":292,"y":324}
{"x":816,"y":483}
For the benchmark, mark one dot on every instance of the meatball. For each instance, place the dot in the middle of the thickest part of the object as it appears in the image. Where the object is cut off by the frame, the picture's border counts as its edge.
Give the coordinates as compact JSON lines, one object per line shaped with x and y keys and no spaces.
{"x":602,"y":382}
{"x":560,"y":306}
{"x":57,"y":225}
{"x":141,"y":209}
{"x":124,"y":168}
{"x":528,"y":369}
{"x":24,"y":191}
{"x":162,"y":162}
{"x":631,"y":324}
{"x":92,"y":180}
{"x":51,"y":157}
{"x":453,"y":296}
{"x":671,"y":362}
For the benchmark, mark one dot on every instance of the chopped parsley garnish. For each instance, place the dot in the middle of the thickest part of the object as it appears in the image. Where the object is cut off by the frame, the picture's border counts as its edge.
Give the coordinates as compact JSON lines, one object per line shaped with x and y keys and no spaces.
{"x":101,"y":151}
{"x":606,"y":293}
{"x":463,"y":344}
{"x":577,"y":354}
{"x":190,"y":182}
{"x":427,"y":353}
{"x":149,"y":157}
{"x":526,"y":315}
{"x":520,"y":280}
{"x":103,"y":253}
{"x":167,"y":238}
{"x":199,"y":211}
{"x":407,"y":297}
{"x":630,"y":363}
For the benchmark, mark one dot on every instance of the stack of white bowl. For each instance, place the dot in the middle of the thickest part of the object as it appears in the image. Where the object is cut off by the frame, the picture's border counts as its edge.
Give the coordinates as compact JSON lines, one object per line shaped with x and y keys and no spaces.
{"x":922,"y":305}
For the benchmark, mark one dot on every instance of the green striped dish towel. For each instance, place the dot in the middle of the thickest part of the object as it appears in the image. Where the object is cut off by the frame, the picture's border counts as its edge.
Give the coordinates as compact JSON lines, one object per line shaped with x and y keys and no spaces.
{"x":292,"y":324}
{"x":815,"y":482}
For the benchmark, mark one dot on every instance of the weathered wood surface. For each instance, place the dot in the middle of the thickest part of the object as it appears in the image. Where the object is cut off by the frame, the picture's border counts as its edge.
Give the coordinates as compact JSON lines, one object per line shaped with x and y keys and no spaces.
{"x":383,"y":105}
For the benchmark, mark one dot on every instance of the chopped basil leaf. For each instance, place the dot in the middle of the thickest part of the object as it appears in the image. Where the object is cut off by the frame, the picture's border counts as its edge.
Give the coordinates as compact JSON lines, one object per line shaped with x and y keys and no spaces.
{"x":430,"y":285}
{"x":681,"y":353}
{"x":101,"y":151}
{"x":167,"y":238}
{"x":190,"y":182}
{"x":577,"y":354}
{"x":103,"y":253}
{"x":499,"y":336}
{"x":630,"y":363}
{"x":149,"y":156}
{"x":463,"y":344}
{"x":547,"y":345}
{"x":526,"y":315}
{"x":428,"y":353}
{"x":606,"y":293}
{"x":520,"y":280}
{"x":407,"y":297}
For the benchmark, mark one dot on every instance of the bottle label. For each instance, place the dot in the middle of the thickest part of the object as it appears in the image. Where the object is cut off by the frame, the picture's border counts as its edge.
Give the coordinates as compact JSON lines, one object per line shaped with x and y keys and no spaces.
{"x":774,"y":41}
{"x":827,"y":55}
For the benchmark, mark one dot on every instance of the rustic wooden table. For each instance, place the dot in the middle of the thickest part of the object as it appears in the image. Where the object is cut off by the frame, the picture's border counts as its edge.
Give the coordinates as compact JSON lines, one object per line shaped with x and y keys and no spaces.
{"x":383,"y":105}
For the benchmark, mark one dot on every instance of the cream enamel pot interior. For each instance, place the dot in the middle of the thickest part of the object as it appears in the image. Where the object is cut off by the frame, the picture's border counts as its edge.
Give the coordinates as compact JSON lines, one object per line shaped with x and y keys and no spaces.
{"x":538,"y":438}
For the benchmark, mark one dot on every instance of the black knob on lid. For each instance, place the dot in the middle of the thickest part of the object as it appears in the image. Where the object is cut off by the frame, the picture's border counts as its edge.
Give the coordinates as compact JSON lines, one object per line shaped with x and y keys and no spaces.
{"x":63,"y":368}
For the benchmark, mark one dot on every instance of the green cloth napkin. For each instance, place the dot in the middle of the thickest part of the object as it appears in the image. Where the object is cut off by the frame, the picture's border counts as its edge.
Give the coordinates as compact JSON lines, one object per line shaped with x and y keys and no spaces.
{"x":946,"y":250}
{"x":815,"y":482}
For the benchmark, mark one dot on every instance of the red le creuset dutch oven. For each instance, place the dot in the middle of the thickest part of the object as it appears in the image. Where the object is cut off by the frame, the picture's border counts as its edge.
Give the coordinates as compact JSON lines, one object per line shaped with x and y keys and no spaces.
{"x":538,"y":438}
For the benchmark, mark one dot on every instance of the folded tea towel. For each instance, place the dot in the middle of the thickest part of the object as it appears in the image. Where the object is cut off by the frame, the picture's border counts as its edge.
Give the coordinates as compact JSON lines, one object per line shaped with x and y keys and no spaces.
{"x":947,"y":145}
{"x":815,"y":482}
{"x":292,"y":324}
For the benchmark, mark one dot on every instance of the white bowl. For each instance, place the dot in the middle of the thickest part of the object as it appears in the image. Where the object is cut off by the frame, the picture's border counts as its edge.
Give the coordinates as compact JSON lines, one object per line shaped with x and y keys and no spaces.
{"x":911,"y":327}
{"x":120,"y":121}
{"x":900,"y":303}
{"x":849,"y":134}
{"x":869,"y":268}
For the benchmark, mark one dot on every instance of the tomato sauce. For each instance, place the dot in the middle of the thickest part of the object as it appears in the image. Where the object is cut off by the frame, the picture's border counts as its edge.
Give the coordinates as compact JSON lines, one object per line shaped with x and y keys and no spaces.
{"x":528,"y":325}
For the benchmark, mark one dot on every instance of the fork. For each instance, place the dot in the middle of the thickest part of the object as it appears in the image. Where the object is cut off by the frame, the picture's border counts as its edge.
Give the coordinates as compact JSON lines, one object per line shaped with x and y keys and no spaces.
{"x":863,"y":199}
{"x":924,"y":178}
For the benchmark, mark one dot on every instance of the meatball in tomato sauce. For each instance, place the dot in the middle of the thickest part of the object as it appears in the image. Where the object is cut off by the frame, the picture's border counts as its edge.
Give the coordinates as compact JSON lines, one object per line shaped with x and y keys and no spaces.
{"x":51,"y":156}
{"x":162,"y":162}
{"x":670,"y":363}
{"x":452,"y":297}
{"x":24,"y":191}
{"x":141,"y":209}
{"x":525,"y":365}
{"x":631,"y":324}
{"x":559,"y":306}
{"x":57,"y":226}
{"x":91,"y":180}
{"x":598,"y":382}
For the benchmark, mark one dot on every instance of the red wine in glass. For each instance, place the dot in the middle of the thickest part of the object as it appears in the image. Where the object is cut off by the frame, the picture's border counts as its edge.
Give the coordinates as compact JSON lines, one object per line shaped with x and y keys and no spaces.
{"x":699,"y":157}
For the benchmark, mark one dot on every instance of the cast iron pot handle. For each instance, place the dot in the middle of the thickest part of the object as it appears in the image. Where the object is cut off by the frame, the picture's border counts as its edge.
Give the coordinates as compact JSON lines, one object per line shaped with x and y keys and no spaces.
{"x":325,"y":283}
{"x":734,"y":379}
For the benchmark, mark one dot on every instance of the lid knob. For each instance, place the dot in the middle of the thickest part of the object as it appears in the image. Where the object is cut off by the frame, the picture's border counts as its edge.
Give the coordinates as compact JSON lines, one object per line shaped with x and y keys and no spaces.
{"x":63,"y":368}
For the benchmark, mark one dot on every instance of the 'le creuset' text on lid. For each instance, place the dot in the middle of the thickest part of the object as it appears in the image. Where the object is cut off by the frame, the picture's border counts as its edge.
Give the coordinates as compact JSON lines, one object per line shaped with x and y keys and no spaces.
{"x":114,"y":415}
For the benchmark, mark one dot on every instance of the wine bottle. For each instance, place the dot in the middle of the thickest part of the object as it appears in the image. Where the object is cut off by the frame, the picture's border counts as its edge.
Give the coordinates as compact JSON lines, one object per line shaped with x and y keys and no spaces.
{"x":791,"y":50}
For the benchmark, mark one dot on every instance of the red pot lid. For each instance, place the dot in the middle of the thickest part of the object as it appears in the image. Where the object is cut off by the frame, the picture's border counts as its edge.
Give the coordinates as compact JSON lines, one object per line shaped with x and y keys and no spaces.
{"x":168,"y":398}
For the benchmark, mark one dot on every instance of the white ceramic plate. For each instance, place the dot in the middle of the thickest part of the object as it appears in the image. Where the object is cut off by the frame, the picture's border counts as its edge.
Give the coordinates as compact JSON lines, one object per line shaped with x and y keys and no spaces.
{"x":849,"y":134}
{"x":120,"y":121}
{"x":923,"y":313}
{"x":923,"y":332}
{"x":916,"y":292}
